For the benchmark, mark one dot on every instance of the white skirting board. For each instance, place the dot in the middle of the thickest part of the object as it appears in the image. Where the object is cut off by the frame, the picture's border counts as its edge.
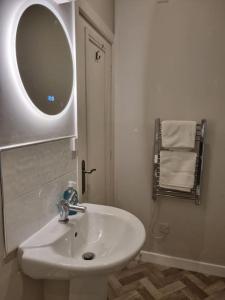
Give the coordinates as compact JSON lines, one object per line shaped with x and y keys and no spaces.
{"x":182,"y":263}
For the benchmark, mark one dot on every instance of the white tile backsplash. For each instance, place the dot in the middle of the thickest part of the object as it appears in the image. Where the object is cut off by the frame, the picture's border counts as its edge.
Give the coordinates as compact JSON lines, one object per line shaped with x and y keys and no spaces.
{"x":34,"y":178}
{"x":21,"y":218}
{"x":28,"y":168}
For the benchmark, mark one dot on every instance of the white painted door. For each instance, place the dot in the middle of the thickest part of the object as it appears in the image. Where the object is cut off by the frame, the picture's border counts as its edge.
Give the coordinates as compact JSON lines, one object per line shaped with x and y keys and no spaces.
{"x":94,"y":115}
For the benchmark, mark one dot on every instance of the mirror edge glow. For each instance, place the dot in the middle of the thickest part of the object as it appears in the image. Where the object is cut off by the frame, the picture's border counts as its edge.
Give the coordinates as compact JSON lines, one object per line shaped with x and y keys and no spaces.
{"x":14,"y":66}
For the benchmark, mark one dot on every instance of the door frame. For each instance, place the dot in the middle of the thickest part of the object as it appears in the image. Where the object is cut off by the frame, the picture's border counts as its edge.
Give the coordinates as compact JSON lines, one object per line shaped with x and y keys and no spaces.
{"x":95,"y":25}
{"x":84,"y":9}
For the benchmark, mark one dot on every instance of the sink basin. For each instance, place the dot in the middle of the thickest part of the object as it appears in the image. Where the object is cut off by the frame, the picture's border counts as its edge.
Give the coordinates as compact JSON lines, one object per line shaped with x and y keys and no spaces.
{"x":112,"y":236}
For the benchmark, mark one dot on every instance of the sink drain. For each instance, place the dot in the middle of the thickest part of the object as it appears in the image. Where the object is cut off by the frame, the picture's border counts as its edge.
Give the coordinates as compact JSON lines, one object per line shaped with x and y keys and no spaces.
{"x":88,"y":256}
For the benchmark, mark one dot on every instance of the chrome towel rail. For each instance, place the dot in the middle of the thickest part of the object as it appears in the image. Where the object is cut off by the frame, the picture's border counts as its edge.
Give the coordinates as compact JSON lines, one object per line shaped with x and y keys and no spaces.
{"x":195,"y":192}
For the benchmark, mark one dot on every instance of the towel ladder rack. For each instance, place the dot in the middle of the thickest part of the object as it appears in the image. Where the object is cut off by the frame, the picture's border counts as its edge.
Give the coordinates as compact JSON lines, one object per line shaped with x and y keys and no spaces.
{"x":195,"y":192}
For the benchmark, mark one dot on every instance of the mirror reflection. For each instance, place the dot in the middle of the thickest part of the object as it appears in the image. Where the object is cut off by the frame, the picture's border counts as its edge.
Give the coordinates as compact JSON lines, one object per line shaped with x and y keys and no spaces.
{"x":44,"y":59}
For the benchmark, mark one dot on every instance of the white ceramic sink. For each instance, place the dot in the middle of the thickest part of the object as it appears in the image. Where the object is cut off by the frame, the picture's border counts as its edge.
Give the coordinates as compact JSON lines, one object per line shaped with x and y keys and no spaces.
{"x":55,"y":252}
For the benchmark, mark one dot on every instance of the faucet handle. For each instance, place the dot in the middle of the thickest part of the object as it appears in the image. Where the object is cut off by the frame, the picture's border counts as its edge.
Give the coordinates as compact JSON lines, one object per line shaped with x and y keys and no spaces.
{"x":63,"y":208}
{"x":74,"y":199}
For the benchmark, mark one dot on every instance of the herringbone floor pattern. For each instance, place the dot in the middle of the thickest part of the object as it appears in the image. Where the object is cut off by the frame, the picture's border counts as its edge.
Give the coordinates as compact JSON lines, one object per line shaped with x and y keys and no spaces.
{"x":145,"y":281}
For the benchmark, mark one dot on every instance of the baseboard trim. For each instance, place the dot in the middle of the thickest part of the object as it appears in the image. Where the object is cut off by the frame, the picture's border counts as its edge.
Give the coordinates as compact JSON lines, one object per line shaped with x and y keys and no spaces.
{"x":183,"y":263}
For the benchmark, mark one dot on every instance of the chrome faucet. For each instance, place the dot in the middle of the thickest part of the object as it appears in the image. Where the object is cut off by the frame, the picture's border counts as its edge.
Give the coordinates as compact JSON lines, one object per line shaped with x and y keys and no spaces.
{"x":70,"y":204}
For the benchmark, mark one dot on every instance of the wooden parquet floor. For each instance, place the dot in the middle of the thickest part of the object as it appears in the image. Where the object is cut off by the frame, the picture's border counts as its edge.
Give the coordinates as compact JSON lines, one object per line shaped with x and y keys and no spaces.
{"x":145,"y":281}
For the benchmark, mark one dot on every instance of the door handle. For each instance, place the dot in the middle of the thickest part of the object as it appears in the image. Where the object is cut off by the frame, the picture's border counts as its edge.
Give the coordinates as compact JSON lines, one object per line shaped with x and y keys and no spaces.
{"x":84,"y":172}
{"x":89,"y":172}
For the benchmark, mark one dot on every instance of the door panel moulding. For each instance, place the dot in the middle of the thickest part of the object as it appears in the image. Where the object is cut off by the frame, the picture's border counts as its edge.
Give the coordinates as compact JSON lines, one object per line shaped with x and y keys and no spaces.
{"x":88,"y":13}
{"x":90,"y":26}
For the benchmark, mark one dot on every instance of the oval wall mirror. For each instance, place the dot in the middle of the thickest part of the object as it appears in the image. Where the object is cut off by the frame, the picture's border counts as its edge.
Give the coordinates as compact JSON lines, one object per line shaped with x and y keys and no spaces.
{"x":44,"y":59}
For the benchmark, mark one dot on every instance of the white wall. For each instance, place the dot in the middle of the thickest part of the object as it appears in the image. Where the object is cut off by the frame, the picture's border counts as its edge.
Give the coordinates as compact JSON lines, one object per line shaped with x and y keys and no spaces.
{"x":105,"y":9}
{"x":170,"y":63}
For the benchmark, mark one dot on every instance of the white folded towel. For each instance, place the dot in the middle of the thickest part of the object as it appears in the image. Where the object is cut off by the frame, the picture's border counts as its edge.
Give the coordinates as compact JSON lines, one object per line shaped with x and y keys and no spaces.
{"x":177,"y":170}
{"x":178,"y":134}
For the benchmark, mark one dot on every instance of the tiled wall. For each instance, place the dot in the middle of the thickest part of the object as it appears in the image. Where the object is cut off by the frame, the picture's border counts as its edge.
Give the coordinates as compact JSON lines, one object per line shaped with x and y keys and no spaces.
{"x":33,"y":179}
